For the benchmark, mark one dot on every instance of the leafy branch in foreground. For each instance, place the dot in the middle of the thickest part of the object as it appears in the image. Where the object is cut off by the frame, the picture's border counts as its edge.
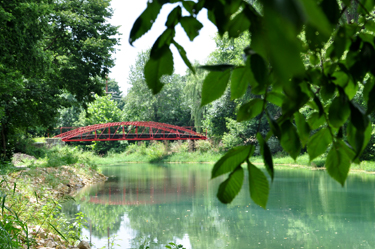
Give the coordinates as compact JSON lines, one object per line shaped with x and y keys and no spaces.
{"x":302,"y":54}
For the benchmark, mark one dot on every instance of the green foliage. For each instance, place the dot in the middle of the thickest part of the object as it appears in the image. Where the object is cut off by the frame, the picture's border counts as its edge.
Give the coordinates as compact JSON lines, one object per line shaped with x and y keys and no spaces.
{"x":302,"y":56}
{"x":203,"y":145}
{"x":53,"y":53}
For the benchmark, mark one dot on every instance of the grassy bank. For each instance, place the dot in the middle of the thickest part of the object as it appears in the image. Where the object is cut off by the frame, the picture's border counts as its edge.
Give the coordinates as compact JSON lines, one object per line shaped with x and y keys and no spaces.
{"x":158,"y":153}
{"x":32,"y":189}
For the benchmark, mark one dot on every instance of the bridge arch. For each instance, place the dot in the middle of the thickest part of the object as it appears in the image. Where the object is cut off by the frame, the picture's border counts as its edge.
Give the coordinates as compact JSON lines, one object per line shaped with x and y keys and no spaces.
{"x":133,"y":131}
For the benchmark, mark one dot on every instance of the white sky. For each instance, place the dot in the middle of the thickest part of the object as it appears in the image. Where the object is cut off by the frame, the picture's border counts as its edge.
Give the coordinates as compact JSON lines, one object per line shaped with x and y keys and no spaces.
{"x":126,"y":12}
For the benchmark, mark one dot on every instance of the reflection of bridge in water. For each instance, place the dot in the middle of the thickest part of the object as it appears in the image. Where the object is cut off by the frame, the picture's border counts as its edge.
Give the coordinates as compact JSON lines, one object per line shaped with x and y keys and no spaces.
{"x":145,"y":195}
{"x":132,"y":131}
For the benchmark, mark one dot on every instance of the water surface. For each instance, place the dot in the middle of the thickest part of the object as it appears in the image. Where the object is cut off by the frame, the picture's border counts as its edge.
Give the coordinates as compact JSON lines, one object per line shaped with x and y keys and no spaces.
{"x":143,"y":204}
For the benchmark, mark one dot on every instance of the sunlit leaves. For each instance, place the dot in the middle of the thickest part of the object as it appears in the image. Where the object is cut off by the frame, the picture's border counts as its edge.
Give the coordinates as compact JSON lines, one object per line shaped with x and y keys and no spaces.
{"x":250,"y":110}
{"x":231,"y":160}
{"x":258,"y":184}
{"x":338,"y":162}
{"x":191,"y":26}
{"x":214,"y":86}
{"x":231,"y":186}
{"x":318,"y":143}
{"x":156,"y":68}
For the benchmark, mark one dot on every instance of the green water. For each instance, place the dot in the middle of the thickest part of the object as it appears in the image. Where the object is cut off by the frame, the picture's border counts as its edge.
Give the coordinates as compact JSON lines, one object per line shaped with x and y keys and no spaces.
{"x":157,"y":204}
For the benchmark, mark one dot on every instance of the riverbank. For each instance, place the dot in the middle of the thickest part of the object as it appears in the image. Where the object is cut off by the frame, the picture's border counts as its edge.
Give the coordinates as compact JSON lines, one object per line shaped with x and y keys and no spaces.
{"x":32,"y":193}
{"x":210,"y":157}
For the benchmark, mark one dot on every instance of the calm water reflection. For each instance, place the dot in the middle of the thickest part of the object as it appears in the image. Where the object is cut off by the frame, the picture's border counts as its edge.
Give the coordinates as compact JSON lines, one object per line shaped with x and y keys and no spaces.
{"x":160,"y":204}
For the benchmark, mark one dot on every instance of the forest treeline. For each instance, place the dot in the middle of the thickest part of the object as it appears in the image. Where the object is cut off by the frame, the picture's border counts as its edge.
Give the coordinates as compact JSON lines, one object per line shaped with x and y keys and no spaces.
{"x":179,"y":103}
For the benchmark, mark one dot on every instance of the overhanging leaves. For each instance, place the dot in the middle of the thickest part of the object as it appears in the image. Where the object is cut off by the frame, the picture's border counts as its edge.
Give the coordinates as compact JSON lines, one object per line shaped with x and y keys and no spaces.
{"x":318,"y":143}
{"x":231,"y":160}
{"x":258,"y":184}
{"x":266,"y":154}
{"x":191,"y":26}
{"x":290,"y":140}
{"x":239,"y":82}
{"x":231,"y":186}
{"x":145,"y":21}
{"x":338,"y":162}
{"x":250,"y":110}
{"x":214,"y":86}
{"x":155,"y":69}
{"x":182,"y":53}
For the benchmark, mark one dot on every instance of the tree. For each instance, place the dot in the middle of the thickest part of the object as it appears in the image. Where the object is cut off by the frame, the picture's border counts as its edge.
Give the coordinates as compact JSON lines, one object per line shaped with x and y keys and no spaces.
{"x":60,"y":47}
{"x":102,"y":110}
{"x":169,"y":106}
{"x":283,"y":34}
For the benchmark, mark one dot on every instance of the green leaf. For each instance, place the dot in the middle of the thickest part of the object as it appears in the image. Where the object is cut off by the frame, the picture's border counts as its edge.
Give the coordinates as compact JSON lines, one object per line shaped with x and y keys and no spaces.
{"x":214,"y":86}
{"x":191,"y":26}
{"x":238,"y":25}
{"x":331,"y":10}
{"x":182,"y":53}
{"x":145,"y":21}
{"x":231,"y":160}
{"x":274,"y":126}
{"x":358,"y":118}
{"x":339,"y":112}
{"x":315,"y":40}
{"x":231,"y":186}
{"x":338,"y":162}
{"x":319,"y":105}
{"x":155,"y":69}
{"x":266,"y":154}
{"x":162,"y":43}
{"x":173,"y":17}
{"x":250,"y":110}
{"x":258,"y":184}
{"x":275,"y":98}
{"x":290,"y":140}
{"x":358,"y":139}
{"x":259,"y":69}
{"x":189,"y":6}
{"x":315,"y":121}
{"x":327,"y":91}
{"x":303,"y":129}
{"x":318,"y":143}
{"x":62,"y":236}
{"x":239,"y":82}
{"x":217,"y":68}
{"x":339,"y":43}
{"x":316,"y":17}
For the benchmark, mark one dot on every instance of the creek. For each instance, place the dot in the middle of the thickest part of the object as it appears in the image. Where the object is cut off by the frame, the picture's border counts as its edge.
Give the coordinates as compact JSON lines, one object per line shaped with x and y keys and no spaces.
{"x":148,"y":204}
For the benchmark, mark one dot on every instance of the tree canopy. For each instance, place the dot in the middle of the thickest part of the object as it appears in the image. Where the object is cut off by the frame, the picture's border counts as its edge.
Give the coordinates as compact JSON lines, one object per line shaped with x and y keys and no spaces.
{"x":300,"y":55}
{"x":50,"y":50}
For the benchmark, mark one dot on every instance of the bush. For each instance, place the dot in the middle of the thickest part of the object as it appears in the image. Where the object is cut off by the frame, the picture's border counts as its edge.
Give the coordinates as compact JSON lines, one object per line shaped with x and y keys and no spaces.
{"x":179,"y":146}
{"x":203,"y":145}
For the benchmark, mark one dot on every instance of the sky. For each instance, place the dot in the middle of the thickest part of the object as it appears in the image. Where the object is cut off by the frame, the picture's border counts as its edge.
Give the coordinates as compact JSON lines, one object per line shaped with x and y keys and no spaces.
{"x":126,"y":12}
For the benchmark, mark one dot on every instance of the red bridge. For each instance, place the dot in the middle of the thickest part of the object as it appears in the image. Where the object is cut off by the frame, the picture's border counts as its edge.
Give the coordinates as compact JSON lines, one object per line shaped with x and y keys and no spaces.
{"x":135,"y":131}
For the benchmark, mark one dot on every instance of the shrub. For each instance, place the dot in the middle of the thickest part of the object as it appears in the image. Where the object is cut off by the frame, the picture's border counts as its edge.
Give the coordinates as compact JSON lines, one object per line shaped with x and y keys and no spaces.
{"x":203,"y":145}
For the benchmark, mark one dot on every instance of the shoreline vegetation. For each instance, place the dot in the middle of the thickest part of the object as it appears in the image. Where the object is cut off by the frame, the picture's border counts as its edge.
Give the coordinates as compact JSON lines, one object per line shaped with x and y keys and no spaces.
{"x":38,"y":181}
